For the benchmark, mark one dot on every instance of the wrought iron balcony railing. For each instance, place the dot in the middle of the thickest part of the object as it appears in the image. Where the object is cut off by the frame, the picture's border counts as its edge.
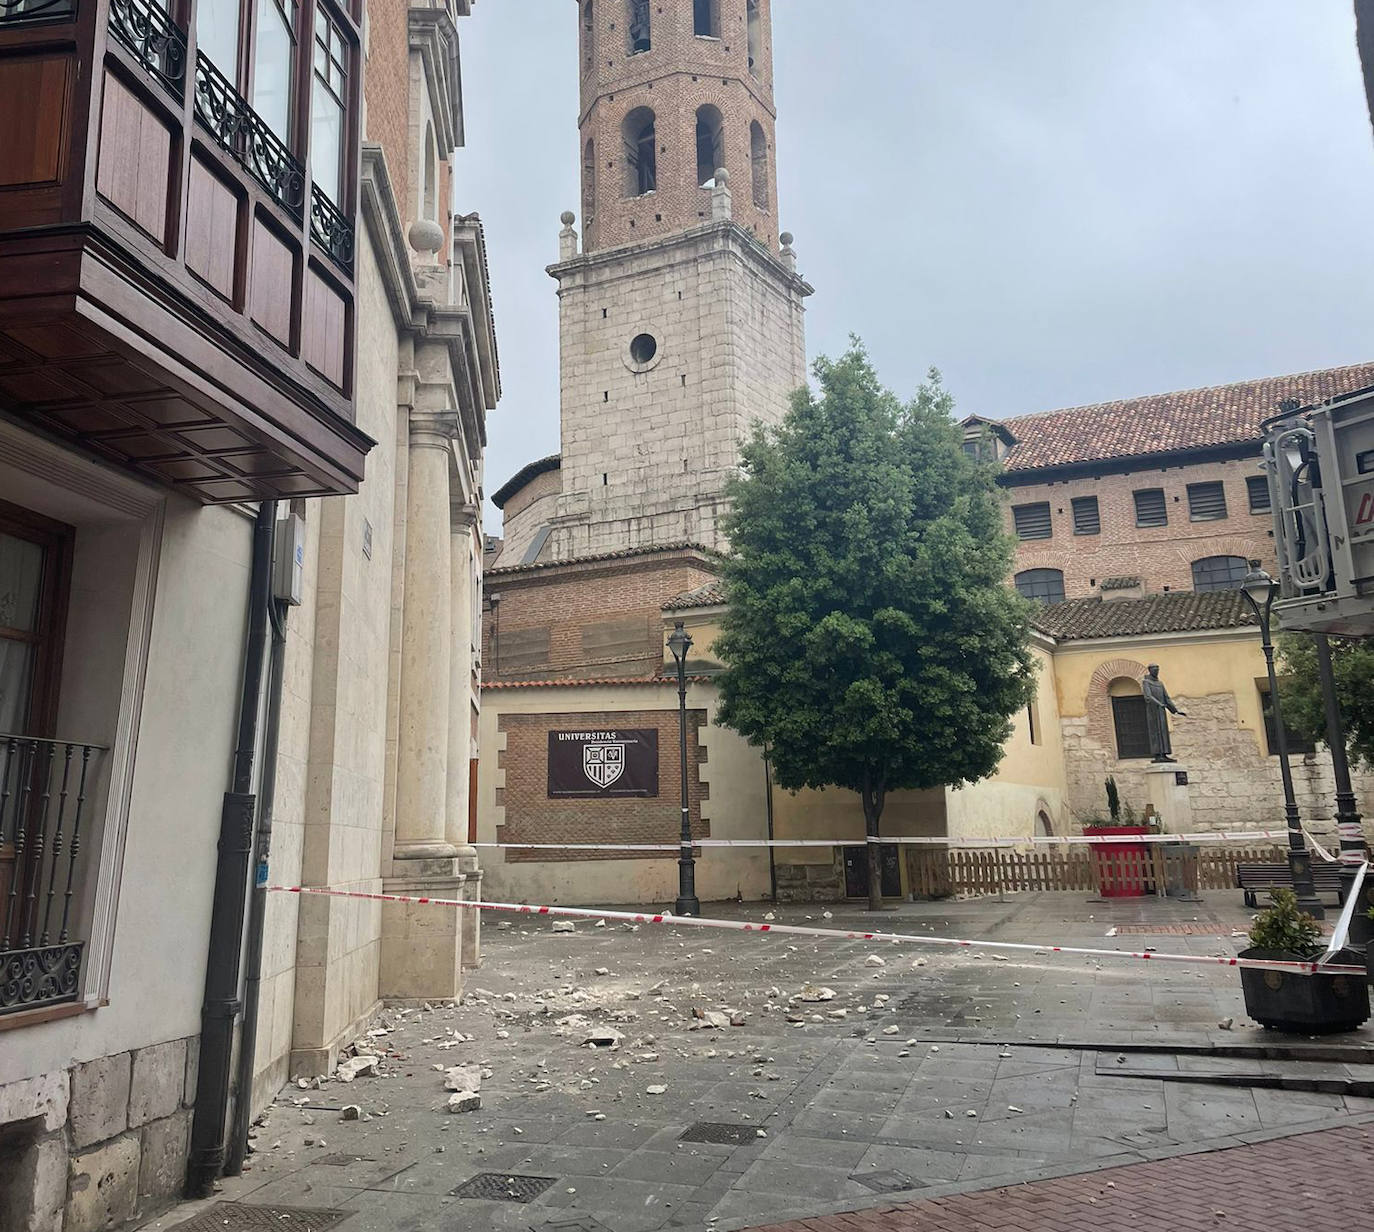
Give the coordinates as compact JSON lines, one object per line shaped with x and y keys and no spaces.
{"x":330,"y":229}
{"x":245,"y":134}
{"x":43,"y":798}
{"x":155,"y":40}
{"x":15,"y":11}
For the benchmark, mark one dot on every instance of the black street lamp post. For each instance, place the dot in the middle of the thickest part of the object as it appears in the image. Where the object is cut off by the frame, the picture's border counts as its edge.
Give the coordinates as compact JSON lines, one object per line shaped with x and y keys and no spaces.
{"x":680,"y":642}
{"x":1260,"y":591}
{"x":1347,"y":813}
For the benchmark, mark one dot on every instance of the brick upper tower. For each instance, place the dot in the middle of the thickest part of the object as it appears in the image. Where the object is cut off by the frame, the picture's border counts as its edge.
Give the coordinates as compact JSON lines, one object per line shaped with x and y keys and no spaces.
{"x":680,"y":321}
{"x":670,"y":91}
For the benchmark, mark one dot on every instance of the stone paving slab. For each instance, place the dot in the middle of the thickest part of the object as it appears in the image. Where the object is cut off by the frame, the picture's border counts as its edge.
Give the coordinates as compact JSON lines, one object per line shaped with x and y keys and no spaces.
{"x":903,"y":1083}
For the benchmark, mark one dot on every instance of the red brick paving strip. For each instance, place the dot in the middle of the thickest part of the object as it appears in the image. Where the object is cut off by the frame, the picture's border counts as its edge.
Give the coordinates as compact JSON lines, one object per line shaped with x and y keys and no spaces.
{"x":1320,"y":1182}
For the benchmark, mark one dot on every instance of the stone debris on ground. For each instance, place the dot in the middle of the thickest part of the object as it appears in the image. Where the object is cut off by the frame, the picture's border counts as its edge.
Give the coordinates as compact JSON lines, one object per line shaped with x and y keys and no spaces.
{"x":564,"y":926}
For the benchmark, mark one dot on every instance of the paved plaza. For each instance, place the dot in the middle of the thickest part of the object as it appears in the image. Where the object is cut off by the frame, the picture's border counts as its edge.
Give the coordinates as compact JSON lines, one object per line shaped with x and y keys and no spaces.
{"x":891,"y":1087}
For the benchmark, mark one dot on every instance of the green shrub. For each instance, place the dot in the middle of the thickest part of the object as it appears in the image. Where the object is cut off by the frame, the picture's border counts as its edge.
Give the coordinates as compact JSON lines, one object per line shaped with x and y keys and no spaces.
{"x":1284,"y":926}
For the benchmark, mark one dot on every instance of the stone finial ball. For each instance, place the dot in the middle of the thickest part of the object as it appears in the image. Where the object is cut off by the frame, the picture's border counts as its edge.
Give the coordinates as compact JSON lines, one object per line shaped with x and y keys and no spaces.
{"x":425,"y":235}
{"x":722,"y":176}
{"x":785,"y":239}
{"x":567,"y":218}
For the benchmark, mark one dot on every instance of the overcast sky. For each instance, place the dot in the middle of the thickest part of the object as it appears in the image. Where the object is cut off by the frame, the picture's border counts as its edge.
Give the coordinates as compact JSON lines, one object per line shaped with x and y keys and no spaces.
{"x":1054,"y":202}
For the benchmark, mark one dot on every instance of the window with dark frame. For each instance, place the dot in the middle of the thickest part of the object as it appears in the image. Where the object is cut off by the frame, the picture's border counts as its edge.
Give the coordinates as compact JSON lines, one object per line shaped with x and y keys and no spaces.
{"x":1043,"y":585}
{"x":1206,"y":502}
{"x":1257,"y":489}
{"x":1132,"y":731}
{"x":706,"y":18}
{"x":1150,"y":507}
{"x":328,"y":107}
{"x":1296,"y":741}
{"x":640,"y":36}
{"x":1032,"y":521}
{"x":271,"y":83}
{"x":1213,"y":573}
{"x":1087,"y":520}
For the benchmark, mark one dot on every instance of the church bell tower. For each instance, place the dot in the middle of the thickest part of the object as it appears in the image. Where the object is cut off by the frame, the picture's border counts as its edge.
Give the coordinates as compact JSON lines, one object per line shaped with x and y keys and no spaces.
{"x":680,"y":313}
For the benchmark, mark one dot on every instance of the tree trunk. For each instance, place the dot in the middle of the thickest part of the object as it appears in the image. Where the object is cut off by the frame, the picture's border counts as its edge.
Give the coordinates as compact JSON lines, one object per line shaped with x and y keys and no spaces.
{"x":873,"y":811}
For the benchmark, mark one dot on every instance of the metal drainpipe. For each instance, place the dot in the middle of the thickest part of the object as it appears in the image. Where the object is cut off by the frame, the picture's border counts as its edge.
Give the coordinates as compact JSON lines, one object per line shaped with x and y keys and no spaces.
{"x":768,"y":797}
{"x":221,"y":1005}
{"x":257,"y":904}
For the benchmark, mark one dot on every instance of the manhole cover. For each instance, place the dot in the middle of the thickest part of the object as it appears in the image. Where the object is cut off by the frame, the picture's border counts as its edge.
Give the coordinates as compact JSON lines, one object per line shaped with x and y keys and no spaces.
{"x":726,"y":1135}
{"x":503,"y":1187}
{"x":888,"y":1181}
{"x":238,"y":1217}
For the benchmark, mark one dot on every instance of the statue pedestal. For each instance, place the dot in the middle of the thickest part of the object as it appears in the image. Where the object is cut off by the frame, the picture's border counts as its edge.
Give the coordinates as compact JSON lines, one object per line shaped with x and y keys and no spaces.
{"x":1169,"y":796}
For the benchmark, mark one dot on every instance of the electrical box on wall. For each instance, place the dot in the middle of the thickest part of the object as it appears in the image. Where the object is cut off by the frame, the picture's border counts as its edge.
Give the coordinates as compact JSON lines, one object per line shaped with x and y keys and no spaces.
{"x":288,"y":560}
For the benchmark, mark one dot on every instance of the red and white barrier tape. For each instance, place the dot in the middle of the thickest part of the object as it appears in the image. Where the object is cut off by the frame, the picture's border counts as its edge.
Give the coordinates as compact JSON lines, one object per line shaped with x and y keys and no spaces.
{"x":835,"y":934}
{"x":1249,"y":836}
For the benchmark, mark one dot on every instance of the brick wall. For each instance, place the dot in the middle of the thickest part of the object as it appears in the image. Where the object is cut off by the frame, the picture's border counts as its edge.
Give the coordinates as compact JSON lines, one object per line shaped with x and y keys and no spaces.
{"x":596,"y":619}
{"x":678,"y":74}
{"x":531,"y":816}
{"x":1161,"y":556}
{"x":386,"y":88}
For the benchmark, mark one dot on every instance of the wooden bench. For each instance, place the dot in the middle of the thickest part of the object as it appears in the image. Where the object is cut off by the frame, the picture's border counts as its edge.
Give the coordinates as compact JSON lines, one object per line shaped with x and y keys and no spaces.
{"x":1252,"y":878}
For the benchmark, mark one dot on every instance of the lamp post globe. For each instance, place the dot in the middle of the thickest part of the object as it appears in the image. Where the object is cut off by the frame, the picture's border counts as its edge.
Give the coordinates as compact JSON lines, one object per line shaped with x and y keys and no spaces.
{"x":679,"y":643}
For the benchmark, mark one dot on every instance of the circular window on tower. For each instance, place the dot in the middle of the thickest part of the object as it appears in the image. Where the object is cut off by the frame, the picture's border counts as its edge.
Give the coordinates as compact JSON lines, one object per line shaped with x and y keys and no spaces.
{"x":643,"y":352}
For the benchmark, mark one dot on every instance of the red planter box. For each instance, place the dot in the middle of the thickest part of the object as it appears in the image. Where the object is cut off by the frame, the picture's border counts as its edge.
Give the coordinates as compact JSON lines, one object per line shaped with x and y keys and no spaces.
{"x":1123,"y":869}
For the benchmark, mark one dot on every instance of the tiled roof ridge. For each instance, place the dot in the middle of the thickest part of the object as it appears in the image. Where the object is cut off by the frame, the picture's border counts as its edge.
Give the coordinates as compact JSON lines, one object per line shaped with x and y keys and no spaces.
{"x":620,"y":554}
{"x":707,"y":595}
{"x":1178,"y":611}
{"x":1183,"y":393}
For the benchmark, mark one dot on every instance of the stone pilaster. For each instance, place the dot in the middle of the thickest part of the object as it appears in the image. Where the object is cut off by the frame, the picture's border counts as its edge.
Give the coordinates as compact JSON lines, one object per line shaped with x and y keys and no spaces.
{"x":422,"y":771}
{"x":422,"y":946}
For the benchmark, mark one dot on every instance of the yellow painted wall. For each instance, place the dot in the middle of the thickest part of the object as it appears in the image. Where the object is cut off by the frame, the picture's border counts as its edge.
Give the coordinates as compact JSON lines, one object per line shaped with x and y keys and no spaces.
{"x":1191,"y":665}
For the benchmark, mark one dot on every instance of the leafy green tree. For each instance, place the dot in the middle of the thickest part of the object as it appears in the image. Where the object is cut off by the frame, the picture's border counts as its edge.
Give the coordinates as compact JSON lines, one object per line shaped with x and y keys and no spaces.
{"x":1352,"y":663}
{"x":871,"y":640}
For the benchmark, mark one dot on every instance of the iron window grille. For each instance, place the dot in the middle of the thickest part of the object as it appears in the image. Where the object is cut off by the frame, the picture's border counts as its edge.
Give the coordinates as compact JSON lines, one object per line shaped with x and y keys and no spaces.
{"x":1150,"y":507}
{"x":1257,"y":489}
{"x":1206,"y":502}
{"x":1044,"y":585}
{"x":1032,"y":521}
{"x":1297,"y":742}
{"x":1087,"y":519}
{"x":246,"y":136}
{"x":1132,"y":732}
{"x":330,"y":229}
{"x":155,"y":40}
{"x":1219,"y":573}
{"x":44,"y":789}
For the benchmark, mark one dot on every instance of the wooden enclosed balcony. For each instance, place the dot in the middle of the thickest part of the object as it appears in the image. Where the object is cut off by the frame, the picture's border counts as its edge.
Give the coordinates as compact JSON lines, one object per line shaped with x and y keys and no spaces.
{"x":176,"y":278}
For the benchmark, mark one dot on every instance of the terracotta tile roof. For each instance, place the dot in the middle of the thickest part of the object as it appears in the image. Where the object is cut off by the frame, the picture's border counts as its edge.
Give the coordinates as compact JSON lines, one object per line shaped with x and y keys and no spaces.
{"x":1125,"y":582}
{"x":1176,"y":612}
{"x":623,"y":554}
{"x":531,"y":470}
{"x":1166,"y":423}
{"x":703,"y":596}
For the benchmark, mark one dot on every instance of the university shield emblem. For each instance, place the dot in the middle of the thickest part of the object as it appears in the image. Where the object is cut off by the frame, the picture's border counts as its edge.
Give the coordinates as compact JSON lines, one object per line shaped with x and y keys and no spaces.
{"x":603,"y":763}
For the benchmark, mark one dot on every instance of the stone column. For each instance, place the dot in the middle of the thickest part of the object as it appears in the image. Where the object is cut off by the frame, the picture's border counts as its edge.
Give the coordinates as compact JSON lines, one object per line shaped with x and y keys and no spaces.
{"x":422,"y":762}
{"x":421,"y":957}
{"x":464,"y":524}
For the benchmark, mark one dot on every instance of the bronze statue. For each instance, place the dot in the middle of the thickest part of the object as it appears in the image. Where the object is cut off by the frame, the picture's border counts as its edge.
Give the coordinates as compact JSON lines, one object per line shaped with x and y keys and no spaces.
{"x":1158,"y":706}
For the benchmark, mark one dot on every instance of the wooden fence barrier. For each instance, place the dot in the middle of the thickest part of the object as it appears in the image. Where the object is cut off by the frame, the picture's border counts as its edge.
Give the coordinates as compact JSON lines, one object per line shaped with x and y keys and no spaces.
{"x":1137,"y":868}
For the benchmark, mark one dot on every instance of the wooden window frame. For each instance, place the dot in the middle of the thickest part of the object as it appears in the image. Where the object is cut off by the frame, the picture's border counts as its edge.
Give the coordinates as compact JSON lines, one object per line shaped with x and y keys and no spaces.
{"x":1232,"y":581}
{"x":1017,"y":511}
{"x":57,"y":540}
{"x":1085,"y":525}
{"x":1140,"y":519}
{"x":1200,"y":497}
{"x":1040,"y":579}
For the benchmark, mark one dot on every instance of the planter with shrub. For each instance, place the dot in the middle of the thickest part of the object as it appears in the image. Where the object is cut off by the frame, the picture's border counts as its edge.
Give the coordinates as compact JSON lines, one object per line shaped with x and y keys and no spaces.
{"x":1290,"y":1000}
